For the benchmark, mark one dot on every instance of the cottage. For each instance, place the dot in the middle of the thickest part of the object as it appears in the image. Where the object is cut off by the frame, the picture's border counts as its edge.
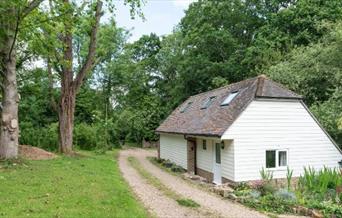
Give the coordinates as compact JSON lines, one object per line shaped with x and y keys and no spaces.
{"x":231,"y":133}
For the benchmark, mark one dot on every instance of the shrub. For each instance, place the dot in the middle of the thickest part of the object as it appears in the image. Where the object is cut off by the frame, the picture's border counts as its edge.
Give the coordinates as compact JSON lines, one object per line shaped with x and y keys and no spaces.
{"x":43,"y":137}
{"x":242,"y":186}
{"x":255,"y":194}
{"x":285,"y":195}
{"x":269,"y":203}
{"x":267,"y":188}
{"x":85,"y":136}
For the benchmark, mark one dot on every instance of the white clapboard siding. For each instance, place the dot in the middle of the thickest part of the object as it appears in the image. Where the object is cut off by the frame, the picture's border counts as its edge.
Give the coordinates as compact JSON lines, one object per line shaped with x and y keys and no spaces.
{"x":227,"y":160}
{"x":174,"y":148}
{"x":275,"y":124}
{"x":204,"y":158}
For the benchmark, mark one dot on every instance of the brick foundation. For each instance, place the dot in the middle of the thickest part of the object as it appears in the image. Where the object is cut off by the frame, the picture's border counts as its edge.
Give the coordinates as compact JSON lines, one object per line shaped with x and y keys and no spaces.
{"x":210,"y":176}
{"x":205,"y":174}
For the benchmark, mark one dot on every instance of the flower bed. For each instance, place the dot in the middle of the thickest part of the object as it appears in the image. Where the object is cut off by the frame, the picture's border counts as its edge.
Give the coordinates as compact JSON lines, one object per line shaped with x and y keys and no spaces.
{"x":316,"y":194}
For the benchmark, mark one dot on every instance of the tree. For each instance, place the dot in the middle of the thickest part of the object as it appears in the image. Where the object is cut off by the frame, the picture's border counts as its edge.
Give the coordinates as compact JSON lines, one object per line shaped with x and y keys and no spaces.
{"x":12,"y":15}
{"x":315,"y":71}
{"x":290,"y":25}
{"x":73,"y":75}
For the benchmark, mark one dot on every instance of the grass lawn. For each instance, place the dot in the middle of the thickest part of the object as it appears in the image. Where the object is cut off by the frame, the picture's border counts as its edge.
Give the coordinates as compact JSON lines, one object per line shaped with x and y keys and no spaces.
{"x":90,"y":186}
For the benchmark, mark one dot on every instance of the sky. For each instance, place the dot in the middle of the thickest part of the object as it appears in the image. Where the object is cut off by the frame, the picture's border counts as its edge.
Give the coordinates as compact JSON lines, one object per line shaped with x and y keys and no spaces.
{"x":161,"y":16}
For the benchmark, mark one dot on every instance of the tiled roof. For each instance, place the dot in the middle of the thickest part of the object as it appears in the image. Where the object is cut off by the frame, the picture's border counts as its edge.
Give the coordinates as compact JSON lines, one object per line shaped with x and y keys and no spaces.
{"x":214,"y":120}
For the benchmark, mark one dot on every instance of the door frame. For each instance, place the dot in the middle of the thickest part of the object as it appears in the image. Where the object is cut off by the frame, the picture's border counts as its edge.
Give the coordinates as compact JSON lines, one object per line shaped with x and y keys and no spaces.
{"x":191,"y":150}
{"x":217,"y":168}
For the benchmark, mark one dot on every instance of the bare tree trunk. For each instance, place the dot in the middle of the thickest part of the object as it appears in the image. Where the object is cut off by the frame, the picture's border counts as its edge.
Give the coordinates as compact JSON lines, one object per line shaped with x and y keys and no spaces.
{"x":66,"y":120}
{"x":9,"y":114}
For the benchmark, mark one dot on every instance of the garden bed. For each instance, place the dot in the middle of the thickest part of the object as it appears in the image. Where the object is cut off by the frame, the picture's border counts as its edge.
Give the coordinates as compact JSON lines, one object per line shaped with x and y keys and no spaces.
{"x":316,"y":193}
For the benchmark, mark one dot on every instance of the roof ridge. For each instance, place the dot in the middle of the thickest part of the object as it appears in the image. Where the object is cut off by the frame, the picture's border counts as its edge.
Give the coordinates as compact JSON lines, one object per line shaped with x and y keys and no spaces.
{"x":223,"y":87}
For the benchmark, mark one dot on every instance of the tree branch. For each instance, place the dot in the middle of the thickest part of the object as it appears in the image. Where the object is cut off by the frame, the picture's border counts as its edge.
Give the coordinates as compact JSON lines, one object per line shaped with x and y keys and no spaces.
{"x":15,"y":35}
{"x":89,"y":62}
{"x":32,"y":5}
{"x":50,"y":76}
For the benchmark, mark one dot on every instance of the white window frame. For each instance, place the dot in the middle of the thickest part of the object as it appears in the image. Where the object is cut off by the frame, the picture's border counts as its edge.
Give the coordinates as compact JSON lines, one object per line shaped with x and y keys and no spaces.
{"x":277,"y":167}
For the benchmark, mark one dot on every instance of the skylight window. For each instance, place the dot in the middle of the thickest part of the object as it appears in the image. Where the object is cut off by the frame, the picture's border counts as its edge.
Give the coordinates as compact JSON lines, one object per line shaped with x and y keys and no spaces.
{"x":186,"y":107}
{"x":229,"y":98}
{"x":208,"y":102}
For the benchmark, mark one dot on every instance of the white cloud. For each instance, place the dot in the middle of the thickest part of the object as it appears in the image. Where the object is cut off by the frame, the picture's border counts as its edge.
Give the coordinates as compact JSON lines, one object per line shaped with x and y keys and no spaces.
{"x":182,"y":3}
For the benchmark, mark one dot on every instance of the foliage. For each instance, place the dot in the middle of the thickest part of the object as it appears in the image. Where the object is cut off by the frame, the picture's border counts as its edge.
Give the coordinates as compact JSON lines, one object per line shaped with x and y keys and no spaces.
{"x":266,"y":175}
{"x":43,"y":137}
{"x":289,"y":173}
{"x":285,"y":194}
{"x":270,"y":203}
{"x":81,"y":185}
{"x":320,"y":181}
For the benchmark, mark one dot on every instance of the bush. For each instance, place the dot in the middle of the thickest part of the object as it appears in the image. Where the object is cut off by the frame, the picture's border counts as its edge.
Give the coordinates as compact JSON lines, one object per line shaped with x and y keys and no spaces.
{"x":270,"y":203}
{"x":85,"y":136}
{"x":285,"y":195}
{"x":43,"y":137}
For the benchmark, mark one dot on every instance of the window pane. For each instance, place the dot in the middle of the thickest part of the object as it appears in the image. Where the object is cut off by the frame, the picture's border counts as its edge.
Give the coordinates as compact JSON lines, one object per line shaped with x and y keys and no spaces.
{"x":270,"y":159}
{"x":230,"y":97}
{"x":218,"y":152}
{"x":282,"y":158}
{"x":208,"y":102}
{"x":204,"y":145}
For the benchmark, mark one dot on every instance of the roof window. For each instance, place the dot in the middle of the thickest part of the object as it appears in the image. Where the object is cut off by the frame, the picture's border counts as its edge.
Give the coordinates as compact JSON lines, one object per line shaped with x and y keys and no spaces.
{"x":229,"y":98}
{"x":208,"y":102}
{"x":186,"y":107}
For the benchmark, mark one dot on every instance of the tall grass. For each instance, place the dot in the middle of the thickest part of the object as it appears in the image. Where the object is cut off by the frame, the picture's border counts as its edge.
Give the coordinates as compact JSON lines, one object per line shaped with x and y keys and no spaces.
{"x":266,"y":175}
{"x":289,"y":173}
{"x":320,"y":181}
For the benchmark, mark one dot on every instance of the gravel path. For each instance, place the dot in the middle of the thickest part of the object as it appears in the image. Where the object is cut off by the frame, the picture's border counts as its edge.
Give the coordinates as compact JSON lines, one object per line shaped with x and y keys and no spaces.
{"x":153,"y":199}
{"x":164,"y":206}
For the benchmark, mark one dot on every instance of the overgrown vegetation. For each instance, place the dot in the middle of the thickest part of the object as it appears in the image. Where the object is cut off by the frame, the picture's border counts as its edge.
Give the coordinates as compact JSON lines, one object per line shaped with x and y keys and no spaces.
{"x":67,"y":187}
{"x":160,"y":186}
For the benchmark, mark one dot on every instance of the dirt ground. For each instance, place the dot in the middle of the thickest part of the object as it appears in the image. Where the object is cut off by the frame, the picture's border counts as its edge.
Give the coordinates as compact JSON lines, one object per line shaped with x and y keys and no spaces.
{"x":34,"y":153}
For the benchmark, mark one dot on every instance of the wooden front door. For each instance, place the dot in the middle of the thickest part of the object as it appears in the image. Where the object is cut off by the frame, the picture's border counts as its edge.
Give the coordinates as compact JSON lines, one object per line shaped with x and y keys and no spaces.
{"x":191,"y":154}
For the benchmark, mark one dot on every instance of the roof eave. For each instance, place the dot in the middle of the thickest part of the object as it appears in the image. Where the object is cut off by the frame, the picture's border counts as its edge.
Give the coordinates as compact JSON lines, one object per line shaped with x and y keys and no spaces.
{"x":189,"y":133}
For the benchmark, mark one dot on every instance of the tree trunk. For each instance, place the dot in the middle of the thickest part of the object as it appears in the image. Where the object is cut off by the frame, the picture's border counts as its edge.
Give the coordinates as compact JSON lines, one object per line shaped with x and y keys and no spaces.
{"x":66,"y":120}
{"x":69,"y":84}
{"x":9,"y":115}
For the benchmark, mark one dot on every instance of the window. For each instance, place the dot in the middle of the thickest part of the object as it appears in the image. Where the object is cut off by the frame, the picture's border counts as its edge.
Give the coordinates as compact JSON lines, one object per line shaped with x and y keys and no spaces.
{"x":218,"y":153}
{"x":276,"y":158}
{"x":204,"y":144}
{"x":208,"y":102}
{"x":282,"y":158}
{"x":186,"y":107}
{"x":270,"y":159}
{"x":229,"y":98}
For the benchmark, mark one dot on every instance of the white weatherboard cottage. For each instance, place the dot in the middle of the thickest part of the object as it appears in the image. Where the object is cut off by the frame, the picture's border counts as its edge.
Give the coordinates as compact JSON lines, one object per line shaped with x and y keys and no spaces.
{"x":231,"y":133}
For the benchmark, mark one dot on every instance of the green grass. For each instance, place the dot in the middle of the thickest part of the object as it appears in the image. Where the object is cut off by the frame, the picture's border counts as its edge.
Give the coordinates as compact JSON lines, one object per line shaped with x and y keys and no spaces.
{"x":89,"y":186}
{"x":187,"y":203}
{"x":160,"y":186}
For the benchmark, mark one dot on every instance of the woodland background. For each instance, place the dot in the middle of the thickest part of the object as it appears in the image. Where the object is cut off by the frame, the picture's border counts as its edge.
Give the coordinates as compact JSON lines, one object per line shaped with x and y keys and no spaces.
{"x":134,"y":86}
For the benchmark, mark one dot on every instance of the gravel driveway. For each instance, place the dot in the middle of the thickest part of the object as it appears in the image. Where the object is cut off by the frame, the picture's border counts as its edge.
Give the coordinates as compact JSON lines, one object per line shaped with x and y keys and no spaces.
{"x":162,"y":206}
